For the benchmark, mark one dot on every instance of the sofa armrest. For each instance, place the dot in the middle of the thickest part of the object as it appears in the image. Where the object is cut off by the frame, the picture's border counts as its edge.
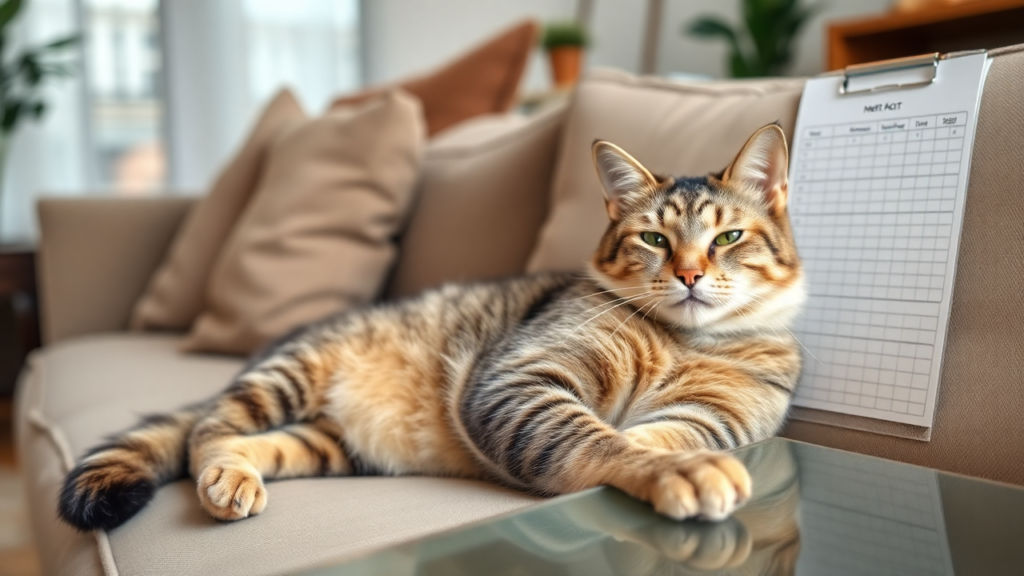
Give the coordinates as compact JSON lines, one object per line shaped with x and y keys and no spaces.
{"x":96,"y":256}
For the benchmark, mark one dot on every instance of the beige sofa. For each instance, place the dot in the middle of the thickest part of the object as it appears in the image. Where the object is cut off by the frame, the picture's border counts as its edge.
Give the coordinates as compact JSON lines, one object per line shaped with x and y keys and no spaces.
{"x":94,"y":378}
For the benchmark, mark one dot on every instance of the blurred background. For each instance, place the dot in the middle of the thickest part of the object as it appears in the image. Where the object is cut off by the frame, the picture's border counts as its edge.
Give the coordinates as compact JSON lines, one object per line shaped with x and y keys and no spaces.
{"x":163,"y":90}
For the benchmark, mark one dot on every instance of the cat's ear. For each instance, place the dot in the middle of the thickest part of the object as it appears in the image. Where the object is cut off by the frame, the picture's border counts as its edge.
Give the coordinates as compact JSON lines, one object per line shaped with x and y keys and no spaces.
{"x":624,"y":179}
{"x":763,"y":165}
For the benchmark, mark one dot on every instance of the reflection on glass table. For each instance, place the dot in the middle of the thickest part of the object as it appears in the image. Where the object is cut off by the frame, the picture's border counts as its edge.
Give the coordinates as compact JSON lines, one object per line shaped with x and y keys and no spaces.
{"x":814,"y":511}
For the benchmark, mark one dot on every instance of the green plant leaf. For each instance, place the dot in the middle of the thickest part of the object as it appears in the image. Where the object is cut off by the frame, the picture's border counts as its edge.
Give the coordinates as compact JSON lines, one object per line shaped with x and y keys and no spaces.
{"x":30,"y":68}
{"x":61,"y":43}
{"x":59,"y":69}
{"x":711,"y":27}
{"x":12,"y":111}
{"x":558,"y":34}
{"x":738,"y":66}
{"x":8,"y":10}
{"x":38,"y":109}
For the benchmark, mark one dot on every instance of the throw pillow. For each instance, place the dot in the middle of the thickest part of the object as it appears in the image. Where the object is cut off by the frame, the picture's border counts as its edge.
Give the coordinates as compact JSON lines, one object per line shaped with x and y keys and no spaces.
{"x":682,"y":129}
{"x":483,"y":196}
{"x":318,"y":235}
{"x":176,"y":292}
{"x":483,"y":81}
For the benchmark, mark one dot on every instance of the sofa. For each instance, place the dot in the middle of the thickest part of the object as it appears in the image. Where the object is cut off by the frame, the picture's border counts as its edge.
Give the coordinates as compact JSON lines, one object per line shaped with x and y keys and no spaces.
{"x":537,"y":210}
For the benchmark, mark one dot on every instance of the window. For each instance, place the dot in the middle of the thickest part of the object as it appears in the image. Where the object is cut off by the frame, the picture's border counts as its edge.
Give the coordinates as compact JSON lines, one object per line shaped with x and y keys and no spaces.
{"x":166,"y":91}
{"x":125,"y":110}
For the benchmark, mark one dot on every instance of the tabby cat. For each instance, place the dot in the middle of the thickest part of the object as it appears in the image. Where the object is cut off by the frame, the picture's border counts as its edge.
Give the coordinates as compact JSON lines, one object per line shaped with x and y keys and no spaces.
{"x":673,"y":346}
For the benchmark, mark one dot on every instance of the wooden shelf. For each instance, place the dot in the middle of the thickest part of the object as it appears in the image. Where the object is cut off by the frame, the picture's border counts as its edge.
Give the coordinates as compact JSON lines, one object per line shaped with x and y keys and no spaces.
{"x":19,"y":317}
{"x":969,"y":25}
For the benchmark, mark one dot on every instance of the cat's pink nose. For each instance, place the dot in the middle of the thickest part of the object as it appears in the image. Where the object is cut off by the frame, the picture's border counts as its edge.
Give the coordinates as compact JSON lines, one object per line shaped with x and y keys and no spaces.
{"x":689,"y":277}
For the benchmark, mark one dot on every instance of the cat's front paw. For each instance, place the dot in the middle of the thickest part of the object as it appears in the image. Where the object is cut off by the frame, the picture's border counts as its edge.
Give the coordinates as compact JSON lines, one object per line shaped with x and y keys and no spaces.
{"x":232,"y":491}
{"x":705,"y":485}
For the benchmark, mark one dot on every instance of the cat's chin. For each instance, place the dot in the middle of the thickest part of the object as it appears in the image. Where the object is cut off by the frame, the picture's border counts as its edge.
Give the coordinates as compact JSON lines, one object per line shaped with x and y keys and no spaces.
{"x":691,"y":314}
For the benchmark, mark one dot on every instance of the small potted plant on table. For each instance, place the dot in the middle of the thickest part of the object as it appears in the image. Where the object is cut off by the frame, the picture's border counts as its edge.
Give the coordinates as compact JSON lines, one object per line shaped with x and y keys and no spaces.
{"x":564,"y":43}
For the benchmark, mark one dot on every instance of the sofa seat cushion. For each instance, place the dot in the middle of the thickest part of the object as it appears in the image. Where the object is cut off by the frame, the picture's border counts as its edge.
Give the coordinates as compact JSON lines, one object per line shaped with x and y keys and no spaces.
{"x":76,"y":392}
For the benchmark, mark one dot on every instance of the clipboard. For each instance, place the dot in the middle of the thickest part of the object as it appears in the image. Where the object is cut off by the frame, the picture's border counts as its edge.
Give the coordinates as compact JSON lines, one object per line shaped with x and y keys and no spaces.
{"x":878,"y":181}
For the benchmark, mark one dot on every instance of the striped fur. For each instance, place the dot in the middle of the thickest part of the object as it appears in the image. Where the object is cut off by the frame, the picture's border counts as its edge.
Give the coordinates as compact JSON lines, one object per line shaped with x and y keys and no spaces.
{"x":551,"y":383}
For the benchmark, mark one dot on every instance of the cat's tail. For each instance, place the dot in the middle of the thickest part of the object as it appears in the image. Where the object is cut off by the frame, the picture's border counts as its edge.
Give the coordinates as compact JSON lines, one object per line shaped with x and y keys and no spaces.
{"x":115,"y":480}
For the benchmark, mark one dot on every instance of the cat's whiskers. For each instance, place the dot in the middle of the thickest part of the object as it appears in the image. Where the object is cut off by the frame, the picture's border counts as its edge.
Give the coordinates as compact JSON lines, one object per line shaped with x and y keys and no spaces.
{"x":643,"y":287}
{"x":603,"y":312}
{"x":650,"y":289}
{"x":761,"y":300}
{"x":657,"y":303}
{"x":607,"y":291}
{"x":635,"y":312}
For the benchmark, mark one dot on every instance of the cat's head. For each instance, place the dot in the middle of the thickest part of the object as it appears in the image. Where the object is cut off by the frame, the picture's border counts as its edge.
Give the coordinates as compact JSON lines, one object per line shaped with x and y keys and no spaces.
{"x":712,"y":254}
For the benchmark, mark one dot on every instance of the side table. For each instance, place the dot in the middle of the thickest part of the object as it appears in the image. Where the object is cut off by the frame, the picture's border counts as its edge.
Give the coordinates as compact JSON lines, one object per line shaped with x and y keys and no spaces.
{"x":19,"y":316}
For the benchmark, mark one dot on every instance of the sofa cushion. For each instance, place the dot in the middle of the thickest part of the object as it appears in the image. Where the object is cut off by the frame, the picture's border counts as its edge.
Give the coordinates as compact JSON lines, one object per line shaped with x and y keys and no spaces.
{"x":482,"y":198}
{"x":176,"y":292}
{"x":319,"y":234}
{"x":682,"y":129}
{"x":484,"y":80}
{"x":78,"y":391}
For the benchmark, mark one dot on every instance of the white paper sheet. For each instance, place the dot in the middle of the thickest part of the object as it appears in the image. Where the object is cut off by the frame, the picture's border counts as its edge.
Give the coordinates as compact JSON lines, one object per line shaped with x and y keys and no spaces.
{"x":877,"y":193}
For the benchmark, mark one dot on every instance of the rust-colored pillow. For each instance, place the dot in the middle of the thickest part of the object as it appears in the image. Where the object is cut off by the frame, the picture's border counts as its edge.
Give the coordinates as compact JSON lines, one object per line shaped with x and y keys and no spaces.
{"x":318,"y":235}
{"x":483,"y":81}
{"x":176,"y":293}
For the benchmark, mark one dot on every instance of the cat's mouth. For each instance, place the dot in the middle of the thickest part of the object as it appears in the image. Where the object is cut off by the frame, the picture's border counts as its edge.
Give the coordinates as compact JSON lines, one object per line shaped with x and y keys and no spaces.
{"x":691,"y":301}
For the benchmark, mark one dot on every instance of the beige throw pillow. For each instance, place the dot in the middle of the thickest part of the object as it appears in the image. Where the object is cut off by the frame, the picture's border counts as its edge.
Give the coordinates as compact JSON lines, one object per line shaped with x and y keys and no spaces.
{"x":681,"y":129}
{"x":176,"y":293}
{"x":483,"y":196}
{"x":317,"y":237}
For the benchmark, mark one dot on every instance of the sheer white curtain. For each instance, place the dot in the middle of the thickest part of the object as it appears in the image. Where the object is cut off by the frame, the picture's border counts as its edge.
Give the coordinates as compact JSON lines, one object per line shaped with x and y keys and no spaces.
{"x":225,"y":58}
{"x":46,"y":155}
{"x":221,"y":60}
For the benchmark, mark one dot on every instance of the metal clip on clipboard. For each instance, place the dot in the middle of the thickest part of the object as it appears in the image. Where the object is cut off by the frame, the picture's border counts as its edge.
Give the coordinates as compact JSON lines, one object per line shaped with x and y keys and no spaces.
{"x":895,"y":74}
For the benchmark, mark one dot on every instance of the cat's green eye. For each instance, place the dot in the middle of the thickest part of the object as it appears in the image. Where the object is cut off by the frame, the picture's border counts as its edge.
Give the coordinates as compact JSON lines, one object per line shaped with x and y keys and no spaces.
{"x":728,"y":237}
{"x":654,"y":239}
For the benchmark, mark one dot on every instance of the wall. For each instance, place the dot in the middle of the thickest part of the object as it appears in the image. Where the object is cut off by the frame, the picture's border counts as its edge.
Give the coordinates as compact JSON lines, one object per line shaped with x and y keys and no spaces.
{"x":403,"y":37}
{"x":408,"y":36}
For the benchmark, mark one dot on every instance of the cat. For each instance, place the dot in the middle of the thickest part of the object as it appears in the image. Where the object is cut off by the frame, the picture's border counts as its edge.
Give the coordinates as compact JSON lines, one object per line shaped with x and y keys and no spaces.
{"x":672,"y":347}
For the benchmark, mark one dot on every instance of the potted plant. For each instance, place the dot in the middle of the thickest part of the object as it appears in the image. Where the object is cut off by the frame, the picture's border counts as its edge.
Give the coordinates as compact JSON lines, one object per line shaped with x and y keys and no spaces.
{"x":22,"y":77}
{"x":762,"y":45}
{"x":564,"y":42}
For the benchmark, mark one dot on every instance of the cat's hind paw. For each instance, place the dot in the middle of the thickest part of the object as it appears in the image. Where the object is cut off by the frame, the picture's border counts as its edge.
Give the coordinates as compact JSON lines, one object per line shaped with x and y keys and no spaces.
{"x":232,"y":492}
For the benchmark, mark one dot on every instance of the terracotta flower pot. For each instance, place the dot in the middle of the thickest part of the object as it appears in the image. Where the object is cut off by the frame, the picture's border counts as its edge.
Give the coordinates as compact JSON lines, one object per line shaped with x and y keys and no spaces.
{"x":566,"y":62}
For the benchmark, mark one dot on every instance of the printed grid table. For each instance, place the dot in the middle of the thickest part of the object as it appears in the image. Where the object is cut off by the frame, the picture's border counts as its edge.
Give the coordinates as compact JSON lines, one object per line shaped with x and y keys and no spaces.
{"x":872,"y":209}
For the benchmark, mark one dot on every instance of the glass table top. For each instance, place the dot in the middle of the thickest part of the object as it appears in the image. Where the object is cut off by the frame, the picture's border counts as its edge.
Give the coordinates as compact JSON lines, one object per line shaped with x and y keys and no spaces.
{"x":814,"y":511}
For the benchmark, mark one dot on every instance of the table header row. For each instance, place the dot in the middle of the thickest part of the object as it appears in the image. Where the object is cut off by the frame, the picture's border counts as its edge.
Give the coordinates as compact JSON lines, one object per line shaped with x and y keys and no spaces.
{"x":917,"y":123}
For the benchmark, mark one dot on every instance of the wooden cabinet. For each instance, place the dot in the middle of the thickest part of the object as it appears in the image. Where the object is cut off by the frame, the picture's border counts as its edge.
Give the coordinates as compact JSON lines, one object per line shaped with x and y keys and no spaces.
{"x":19,"y":320}
{"x":968,"y":25}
